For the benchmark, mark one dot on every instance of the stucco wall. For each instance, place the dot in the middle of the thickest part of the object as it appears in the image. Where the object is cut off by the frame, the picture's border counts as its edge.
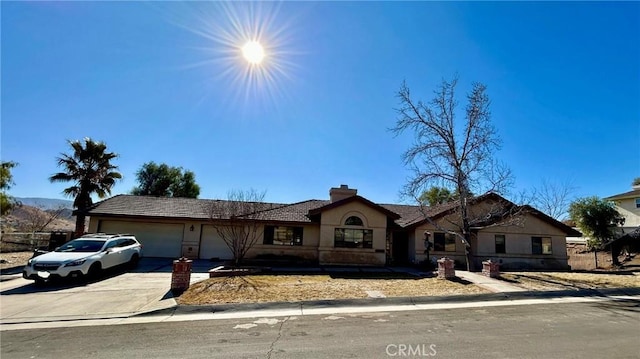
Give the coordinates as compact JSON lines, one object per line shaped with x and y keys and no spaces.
{"x":627,"y":208}
{"x":334,"y":218}
{"x":307,"y":251}
{"x":517,"y":242}
{"x":416,"y":242}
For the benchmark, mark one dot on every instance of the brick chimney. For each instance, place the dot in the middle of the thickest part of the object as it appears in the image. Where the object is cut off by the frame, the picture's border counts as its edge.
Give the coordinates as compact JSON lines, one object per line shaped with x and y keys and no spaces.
{"x":337,"y":194}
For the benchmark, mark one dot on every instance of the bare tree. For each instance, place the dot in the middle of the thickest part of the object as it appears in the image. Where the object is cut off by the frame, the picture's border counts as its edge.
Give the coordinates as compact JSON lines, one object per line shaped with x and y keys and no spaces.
{"x":448,"y":153}
{"x":238,"y":220}
{"x":38,"y":218}
{"x":554,"y":198}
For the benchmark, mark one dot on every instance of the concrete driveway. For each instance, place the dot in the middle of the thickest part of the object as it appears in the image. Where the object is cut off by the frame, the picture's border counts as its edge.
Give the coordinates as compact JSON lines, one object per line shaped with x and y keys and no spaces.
{"x":116,"y":294}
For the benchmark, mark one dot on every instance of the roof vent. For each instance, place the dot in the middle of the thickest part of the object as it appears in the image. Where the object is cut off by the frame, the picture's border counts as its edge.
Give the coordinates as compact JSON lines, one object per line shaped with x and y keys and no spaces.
{"x":337,"y":194}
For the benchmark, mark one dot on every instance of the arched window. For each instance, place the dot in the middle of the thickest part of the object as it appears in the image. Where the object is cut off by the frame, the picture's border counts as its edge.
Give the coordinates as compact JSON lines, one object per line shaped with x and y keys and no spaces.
{"x":353,"y":221}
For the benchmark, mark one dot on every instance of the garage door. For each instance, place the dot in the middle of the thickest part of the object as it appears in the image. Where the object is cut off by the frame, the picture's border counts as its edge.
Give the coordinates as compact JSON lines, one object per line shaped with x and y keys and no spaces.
{"x":212,"y":246}
{"x":158,"y":239}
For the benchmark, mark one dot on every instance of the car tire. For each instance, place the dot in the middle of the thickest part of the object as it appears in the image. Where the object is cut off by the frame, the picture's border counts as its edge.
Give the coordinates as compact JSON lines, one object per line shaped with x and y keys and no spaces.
{"x":94,"y":270}
{"x":135,"y":259}
{"x":39,"y":282}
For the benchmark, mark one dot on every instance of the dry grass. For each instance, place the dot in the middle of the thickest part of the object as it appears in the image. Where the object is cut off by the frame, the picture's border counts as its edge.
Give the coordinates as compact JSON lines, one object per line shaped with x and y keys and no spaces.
{"x":14,"y":259}
{"x":572,"y":280}
{"x":292,"y":288}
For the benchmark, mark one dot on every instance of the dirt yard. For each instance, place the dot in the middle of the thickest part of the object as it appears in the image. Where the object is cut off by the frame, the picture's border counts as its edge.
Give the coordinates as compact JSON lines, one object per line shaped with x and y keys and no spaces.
{"x":291,"y":288}
{"x":573,"y":280}
{"x":14,"y":259}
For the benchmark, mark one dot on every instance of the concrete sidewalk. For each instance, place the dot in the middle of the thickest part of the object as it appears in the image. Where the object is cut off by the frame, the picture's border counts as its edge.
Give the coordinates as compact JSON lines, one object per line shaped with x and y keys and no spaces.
{"x":491,"y":284}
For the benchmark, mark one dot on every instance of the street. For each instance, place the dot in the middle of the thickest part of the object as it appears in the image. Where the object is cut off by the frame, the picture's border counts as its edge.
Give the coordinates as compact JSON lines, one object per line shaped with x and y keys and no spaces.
{"x":578,"y":330}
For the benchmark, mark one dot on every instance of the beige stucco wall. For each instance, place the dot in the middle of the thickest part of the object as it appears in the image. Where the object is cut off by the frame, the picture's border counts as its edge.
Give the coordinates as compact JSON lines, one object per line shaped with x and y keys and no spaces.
{"x":627,"y":208}
{"x":518,"y":244}
{"x":334,"y":218}
{"x":416,"y":242}
{"x":307,"y":251}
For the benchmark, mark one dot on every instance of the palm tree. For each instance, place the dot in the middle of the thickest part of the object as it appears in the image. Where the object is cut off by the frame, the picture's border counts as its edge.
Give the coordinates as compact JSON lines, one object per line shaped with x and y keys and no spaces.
{"x":91,"y":171}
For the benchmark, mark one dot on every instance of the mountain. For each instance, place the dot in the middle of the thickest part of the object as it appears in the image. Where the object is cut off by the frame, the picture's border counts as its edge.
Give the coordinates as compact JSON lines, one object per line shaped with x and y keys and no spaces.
{"x":27,"y":218}
{"x":45,"y":203}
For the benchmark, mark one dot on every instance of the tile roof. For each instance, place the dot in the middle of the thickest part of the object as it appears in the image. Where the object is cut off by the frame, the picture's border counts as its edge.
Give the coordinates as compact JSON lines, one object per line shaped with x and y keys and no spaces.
{"x":163,"y":207}
{"x":200,"y":209}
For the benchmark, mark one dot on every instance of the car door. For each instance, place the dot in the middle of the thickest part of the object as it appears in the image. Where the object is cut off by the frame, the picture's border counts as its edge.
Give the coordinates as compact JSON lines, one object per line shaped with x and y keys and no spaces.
{"x":113,"y":254}
{"x":128,"y":247}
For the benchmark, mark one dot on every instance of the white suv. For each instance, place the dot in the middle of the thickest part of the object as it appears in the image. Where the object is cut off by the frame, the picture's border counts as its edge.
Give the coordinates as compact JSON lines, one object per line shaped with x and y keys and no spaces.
{"x":84,"y":256}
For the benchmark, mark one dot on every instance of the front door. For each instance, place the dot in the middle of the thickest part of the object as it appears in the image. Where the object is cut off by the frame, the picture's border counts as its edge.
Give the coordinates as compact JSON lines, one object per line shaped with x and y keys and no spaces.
{"x":400,"y":248}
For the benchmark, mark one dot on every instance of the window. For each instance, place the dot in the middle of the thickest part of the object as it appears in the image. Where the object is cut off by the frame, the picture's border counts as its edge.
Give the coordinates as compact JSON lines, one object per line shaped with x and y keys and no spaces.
{"x":353,"y":238}
{"x":541,"y":245}
{"x":283,"y":235}
{"x":353,"y":221}
{"x":637,"y":202}
{"x":500,"y":244}
{"x":444,"y":242}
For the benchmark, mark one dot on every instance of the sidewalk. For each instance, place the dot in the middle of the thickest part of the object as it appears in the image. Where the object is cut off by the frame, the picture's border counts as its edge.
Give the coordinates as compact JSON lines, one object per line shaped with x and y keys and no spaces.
{"x":490,"y":284}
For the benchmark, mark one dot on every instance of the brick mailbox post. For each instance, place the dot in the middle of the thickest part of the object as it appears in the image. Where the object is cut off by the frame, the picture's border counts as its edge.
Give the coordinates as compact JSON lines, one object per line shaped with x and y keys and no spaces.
{"x":445,"y":268}
{"x":181,"y":275}
{"x":491,"y":268}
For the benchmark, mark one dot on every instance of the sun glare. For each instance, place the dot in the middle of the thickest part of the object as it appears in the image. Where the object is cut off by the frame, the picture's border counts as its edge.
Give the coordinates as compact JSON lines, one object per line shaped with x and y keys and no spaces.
{"x":253,"y":52}
{"x":249,"y":49}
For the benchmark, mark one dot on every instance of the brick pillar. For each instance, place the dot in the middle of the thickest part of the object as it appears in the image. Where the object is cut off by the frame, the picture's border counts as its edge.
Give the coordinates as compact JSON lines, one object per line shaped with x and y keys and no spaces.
{"x":181,"y":275}
{"x":445,"y":268}
{"x":491,"y":268}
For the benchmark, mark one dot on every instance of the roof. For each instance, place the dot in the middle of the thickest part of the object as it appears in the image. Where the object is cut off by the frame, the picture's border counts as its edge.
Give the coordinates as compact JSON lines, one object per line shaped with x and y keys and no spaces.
{"x":570,"y":231}
{"x":356,"y":198}
{"x":631,"y":194}
{"x":159,"y":207}
{"x":405,"y":216}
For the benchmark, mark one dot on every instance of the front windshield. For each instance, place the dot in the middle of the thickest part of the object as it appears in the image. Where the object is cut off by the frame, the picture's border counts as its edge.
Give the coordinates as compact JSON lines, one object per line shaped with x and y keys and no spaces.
{"x":81,"y":245}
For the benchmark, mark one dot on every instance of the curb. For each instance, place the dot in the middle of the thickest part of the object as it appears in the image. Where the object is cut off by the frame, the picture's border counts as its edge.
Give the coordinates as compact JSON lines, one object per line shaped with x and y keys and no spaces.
{"x":374,"y":302}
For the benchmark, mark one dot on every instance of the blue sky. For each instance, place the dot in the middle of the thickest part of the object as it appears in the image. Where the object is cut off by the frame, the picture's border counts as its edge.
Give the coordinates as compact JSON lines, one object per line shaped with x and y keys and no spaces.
{"x":164,"y":82}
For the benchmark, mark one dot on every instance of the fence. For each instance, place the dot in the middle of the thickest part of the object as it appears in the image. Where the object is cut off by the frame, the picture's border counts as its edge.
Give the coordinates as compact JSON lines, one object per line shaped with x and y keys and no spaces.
{"x":23,"y":242}
{"x":580,"y":258}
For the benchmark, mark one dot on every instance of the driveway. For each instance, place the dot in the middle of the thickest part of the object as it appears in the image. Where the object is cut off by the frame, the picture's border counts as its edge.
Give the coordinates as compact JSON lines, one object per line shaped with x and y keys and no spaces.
{"x":115,"y":294}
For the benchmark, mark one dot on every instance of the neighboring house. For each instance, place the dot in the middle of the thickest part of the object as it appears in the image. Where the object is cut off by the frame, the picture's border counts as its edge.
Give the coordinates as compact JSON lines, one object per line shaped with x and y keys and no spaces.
{"x":345,"y":230}
{"x":628,"y":205}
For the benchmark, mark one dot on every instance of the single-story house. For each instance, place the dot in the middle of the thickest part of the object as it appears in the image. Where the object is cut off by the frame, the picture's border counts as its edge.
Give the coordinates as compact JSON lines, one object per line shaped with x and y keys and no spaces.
{"x":347,"y":229}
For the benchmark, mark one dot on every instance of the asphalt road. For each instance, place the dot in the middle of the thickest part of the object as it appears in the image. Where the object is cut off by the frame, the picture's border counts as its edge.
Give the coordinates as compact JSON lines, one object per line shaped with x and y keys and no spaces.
{"x":584,"y":330}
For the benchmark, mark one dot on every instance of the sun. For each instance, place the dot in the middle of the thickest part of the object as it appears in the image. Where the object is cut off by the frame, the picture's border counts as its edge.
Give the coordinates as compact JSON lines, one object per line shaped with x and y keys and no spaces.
{"x":253,"y":52}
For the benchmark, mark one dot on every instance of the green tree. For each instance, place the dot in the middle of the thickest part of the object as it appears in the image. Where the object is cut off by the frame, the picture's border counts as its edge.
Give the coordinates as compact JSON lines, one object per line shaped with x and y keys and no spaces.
{"x":597,"y":219}
{"x":636,"y":181}
{"x":165,"y":181}
{"x":90,"y":170}
{"x":436,"y":195}
{"x":7,"y":203}
{"x":457,"y":153}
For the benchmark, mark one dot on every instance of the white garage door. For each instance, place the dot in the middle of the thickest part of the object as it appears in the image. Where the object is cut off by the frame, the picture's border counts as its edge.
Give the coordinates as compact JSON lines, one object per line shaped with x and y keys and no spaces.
{"x":212,"y":246}
{"x":158,"y":239}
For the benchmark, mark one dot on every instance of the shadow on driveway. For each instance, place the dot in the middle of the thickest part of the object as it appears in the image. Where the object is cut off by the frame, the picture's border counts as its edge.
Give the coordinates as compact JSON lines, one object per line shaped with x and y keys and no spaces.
{"x":65,"y":283}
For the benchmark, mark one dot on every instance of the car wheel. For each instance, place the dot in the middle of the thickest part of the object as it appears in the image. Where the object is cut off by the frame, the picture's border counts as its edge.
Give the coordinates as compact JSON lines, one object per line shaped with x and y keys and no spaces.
{"x":94,"y":270}
{"x":133,"y":263}
{"x":39,"y":282}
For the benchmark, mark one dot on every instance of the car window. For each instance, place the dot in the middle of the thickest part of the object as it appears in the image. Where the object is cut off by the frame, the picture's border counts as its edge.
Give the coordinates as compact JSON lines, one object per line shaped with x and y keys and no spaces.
{"x":112,"y":244}
{"x":81,"y":245}
{"x":124,"y":242}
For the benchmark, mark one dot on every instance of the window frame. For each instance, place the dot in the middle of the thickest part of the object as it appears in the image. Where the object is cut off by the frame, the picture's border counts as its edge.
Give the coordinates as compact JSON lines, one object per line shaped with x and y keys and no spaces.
{"x":538,"y":245}
{"x":294,"y":235}
{"x":500,"y":248}
{"x":444,"y":242}
{"x":340,"y":238}
{"x":358,"y":221}
{"x":638,"y":202}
